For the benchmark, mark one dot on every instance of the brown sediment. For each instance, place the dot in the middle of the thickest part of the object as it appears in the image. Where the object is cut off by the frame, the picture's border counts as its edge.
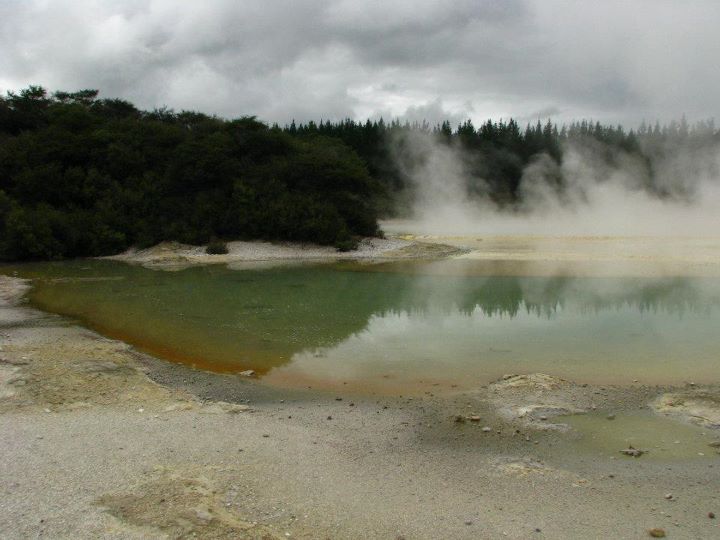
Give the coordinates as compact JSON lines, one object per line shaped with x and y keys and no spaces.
{"x":167,"y":352}
{"x":172,"y":354}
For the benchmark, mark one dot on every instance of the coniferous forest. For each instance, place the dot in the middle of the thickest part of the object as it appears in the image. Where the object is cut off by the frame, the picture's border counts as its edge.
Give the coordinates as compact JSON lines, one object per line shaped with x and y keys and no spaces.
{"x":82,"y":175}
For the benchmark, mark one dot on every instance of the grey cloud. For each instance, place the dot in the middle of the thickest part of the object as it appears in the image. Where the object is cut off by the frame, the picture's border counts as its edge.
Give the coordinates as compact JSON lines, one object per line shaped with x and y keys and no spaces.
{"x":541,"y":114}
{"x":614,"y":61}
{"x":433,"y":112}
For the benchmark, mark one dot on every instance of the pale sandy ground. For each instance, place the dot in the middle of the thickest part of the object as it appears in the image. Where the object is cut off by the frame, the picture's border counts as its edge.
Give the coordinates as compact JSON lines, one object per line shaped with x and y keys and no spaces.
{"x":173,"y":255}
{"x":689,"y":251}
{"x":98,"y":441}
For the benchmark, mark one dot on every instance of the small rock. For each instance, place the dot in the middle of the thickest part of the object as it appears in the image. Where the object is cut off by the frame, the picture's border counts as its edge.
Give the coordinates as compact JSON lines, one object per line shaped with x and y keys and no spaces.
{"x":657,"y":532}
{"x":634,"y":452}
{"x":474,"y":418}
{"x":329,"y":417}
{"x":487,"y":429}
{"x":98,"y":367}
{"x":179,"y":406}
{"x":543,"y":418}
{"x":711,"y":515}
{"x":247,"y":373}
{"x":669,"y":496}
{"x":611,"y":417}
{"x":233,"y":408}
{"x":13,"y":361}
{"x":203,"y":515}
{"x":714,"y":444}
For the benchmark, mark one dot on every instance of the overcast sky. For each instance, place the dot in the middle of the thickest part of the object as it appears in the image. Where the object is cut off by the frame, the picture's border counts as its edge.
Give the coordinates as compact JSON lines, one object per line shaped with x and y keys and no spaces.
{"x":279,"y":60}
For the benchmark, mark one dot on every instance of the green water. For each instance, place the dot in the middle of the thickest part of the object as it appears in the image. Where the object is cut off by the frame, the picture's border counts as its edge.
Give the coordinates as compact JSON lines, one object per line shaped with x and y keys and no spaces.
{"x":396,"y":326}
{"x":661,"y":438}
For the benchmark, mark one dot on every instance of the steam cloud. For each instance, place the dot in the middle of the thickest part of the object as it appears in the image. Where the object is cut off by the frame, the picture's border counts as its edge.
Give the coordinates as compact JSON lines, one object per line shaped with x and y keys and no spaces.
{"x":605,"y":191}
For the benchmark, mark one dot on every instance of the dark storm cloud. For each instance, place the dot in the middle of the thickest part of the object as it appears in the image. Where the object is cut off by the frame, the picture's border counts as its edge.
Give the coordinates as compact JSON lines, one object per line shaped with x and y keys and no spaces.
{"x":617,"y":61}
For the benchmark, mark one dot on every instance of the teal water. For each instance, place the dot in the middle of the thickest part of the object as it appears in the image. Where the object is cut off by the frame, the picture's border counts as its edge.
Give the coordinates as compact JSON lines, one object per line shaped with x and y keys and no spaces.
{"x":396,"y":326}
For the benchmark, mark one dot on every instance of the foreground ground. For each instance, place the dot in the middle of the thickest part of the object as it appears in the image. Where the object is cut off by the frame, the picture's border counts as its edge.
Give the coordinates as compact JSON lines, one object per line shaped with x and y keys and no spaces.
{"x":99,"y":441}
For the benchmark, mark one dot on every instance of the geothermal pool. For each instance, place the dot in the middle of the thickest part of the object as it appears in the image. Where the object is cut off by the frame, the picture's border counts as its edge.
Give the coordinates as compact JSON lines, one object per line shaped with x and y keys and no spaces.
{"x":405,"y":327}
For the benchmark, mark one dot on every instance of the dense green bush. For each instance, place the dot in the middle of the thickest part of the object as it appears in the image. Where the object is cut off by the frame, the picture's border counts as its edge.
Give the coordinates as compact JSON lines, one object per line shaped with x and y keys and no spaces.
{"x":85,"y":176}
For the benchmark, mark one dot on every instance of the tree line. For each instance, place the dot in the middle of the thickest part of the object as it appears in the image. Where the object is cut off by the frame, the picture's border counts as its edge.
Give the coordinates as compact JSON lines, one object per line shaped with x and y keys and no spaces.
{"x":84,"y":176}
{"x":498,"y":152}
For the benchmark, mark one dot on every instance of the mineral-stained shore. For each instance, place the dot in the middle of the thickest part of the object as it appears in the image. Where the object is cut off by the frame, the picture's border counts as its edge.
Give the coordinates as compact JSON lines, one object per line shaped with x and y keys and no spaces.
{"x":100,"y":441}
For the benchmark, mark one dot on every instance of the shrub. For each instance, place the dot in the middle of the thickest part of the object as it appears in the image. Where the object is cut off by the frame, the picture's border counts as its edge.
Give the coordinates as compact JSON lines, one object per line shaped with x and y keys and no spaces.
{"x":346,"y":245}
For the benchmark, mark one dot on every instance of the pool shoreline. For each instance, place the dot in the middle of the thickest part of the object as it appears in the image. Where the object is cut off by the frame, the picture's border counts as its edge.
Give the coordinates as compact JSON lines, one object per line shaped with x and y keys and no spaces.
{"x":432,"y":325}
{"x":146,"y":428}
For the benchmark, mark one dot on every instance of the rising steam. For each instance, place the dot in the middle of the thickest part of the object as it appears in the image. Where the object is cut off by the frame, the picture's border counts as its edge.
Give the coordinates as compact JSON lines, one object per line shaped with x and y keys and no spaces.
{"x":595,"y":190}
